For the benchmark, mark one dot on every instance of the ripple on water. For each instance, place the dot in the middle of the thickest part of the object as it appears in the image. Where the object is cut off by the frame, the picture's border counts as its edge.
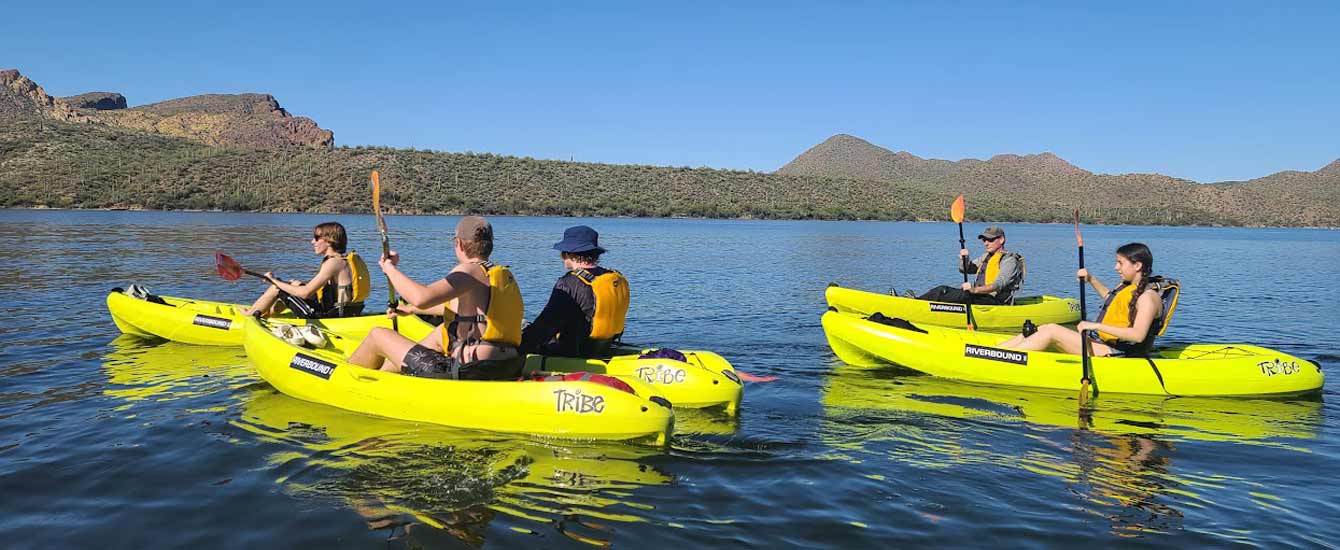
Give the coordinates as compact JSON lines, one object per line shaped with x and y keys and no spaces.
{"x":156,"y":444}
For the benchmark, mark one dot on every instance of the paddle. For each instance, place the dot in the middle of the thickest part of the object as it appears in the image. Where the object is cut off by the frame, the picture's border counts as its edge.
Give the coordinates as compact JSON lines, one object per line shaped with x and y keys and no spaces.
{"x":386,"y":245}
{"x":1086,"y":374}
{"x":956,"y":213}
{"x":230,"y":270}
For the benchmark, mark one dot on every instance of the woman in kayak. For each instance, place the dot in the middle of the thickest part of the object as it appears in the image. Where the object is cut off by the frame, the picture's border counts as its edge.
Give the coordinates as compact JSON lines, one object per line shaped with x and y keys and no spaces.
{"x":478,"y":340}
{"x":337,"y":290}
{"x":1128,"y":321}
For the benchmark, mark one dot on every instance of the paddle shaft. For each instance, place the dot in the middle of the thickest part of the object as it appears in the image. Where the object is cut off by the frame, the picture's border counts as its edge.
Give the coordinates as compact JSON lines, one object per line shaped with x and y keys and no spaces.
{"x":1086,"y":364}
{"x":386,"y":247}
{"x":967,"y":308}
{"x":390,"y":288}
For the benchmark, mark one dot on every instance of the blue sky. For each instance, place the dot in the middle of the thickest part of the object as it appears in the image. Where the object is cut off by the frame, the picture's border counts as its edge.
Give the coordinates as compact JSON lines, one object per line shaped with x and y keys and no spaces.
{"x":1208,"y":91}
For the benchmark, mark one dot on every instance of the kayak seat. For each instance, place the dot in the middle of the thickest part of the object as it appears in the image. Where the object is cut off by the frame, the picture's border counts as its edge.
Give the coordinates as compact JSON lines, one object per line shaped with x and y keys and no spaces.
{"x":895,"y":322}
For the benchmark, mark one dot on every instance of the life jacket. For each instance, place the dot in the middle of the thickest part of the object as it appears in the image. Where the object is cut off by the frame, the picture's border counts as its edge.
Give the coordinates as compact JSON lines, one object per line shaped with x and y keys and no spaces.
{"x":357,"y":289}
{"x":1116,"y":311}
{"x":991,"y":269}
{"x":502,"y":316}
{"x":612,"y":296}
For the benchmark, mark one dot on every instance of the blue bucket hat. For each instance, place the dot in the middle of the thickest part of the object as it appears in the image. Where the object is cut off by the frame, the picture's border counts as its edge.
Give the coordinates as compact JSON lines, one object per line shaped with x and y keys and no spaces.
{"x":579,"y":238}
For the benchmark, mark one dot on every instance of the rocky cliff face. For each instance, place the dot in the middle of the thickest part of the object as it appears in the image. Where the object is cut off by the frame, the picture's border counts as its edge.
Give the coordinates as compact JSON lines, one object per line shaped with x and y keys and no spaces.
{"x":244,"y":120}
{"x":97,"y":101}
{"x":250,"y":120}
{"x":21,"y":98}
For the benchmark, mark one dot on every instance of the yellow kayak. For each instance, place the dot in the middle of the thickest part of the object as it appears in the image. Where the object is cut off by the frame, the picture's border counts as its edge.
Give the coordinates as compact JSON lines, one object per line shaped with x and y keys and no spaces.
{"x":1185,"y":370}
{"x":1038,"y":309}
{"x":570,"y":409}
{"x":205,"y":323}
{"x":704,"y":380}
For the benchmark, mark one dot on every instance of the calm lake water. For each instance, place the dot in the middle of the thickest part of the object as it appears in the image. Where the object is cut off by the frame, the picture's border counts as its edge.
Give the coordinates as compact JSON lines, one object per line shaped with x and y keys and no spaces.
{"x":113,"y":442}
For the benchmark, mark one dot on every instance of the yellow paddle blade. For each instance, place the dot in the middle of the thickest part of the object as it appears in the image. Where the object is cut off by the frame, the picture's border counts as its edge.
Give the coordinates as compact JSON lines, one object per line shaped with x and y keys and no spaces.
{"x":956,"y":211}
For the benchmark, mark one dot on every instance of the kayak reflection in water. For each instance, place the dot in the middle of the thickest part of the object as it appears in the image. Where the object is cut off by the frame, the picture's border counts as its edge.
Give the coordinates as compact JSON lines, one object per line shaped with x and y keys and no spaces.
{"x":587,"y":308}
{"x":1000,"y":273}
{"x":1126,"y":479}
{"x":338,"y":288}
{"x":479,"y":343}
{"x":1131,"y":316}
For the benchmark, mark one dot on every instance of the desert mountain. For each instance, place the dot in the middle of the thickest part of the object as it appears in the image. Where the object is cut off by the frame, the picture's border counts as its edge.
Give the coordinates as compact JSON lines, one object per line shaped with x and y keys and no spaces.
{"x":1045,"y":181}
{"x":98,"y":101}
{"x":252,"y":120}
{"x":21,"y":98}
{"x":238,"y":120}
{"x":849,"y":156}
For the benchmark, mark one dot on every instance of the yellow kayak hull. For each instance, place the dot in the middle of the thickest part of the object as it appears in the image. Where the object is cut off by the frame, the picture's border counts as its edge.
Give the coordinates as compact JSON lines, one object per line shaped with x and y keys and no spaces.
{"x":1038,"y":309}
{"x":577,"y":410}
{"x":1187,"y":370}
{"x":206,"y":323}
{"x":705,"y":380}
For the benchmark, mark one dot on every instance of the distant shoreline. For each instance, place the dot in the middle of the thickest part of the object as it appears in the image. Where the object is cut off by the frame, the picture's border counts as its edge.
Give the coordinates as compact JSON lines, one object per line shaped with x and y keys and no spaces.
{"x":218,"y":211}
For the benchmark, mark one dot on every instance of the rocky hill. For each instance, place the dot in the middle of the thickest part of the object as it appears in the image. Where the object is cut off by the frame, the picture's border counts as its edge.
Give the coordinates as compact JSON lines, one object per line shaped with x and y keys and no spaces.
{"x":252,"y":120}
{"x":1045,"y":180}
{"x":849,"y":156}
{"x":21,"y":98}
{"x":235,"y":153}
{"x":97,"y":101}
{"x":242,"y":120}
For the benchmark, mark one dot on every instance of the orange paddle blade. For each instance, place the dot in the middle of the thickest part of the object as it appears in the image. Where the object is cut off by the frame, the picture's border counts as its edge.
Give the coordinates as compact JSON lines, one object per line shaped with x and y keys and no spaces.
{"x":376,"y":191}
{"x":228,"y":268}
{"x":956,"y":211}
{"x":754,"y":377}
{"x":1078,"y":239}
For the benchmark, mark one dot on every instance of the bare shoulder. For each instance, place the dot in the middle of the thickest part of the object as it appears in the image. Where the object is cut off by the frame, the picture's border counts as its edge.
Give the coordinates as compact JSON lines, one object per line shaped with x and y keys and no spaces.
{"x":1152,"y":298}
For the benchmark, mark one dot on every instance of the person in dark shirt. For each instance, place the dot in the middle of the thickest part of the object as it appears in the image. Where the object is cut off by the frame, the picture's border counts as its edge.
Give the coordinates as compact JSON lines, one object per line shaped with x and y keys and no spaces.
{"x":586,"y":309}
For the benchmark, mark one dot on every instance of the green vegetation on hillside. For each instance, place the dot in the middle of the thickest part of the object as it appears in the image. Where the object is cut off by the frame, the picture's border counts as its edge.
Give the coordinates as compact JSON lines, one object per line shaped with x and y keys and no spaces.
{"x":47,"y":164}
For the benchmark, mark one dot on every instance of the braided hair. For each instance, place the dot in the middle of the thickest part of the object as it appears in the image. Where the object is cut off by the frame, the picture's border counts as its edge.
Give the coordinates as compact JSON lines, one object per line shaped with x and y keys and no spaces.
{"x":1138,"y":252}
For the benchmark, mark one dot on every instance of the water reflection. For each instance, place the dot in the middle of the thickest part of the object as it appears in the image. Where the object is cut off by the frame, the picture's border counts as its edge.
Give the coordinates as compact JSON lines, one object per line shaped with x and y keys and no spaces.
{"x":1117,"y":459}
{"x":408,"y":477}
{"x":417,"y":482}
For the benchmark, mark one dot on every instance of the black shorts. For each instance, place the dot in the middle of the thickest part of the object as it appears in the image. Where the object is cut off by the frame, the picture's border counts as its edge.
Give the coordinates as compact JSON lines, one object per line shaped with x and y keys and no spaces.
{"x":429,"y":363}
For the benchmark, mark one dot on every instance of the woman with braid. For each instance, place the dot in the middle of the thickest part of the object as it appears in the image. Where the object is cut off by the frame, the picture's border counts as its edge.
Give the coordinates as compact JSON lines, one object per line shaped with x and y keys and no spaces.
{"x":1128,"y":322}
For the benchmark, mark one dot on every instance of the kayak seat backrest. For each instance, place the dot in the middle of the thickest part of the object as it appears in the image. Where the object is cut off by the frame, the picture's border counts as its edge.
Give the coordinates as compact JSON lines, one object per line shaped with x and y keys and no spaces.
{"x":1169,"y":291}
{"x":1023,"y":276}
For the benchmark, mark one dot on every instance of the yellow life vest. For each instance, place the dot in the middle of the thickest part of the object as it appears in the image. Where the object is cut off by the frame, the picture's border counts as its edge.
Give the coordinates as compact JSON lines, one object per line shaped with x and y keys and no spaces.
{"x":1117,"y":309}
{"x":612,"y":298}
{"x":502,"y":317}
{"x":358,"y":281}
{"x":993,"y":268}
